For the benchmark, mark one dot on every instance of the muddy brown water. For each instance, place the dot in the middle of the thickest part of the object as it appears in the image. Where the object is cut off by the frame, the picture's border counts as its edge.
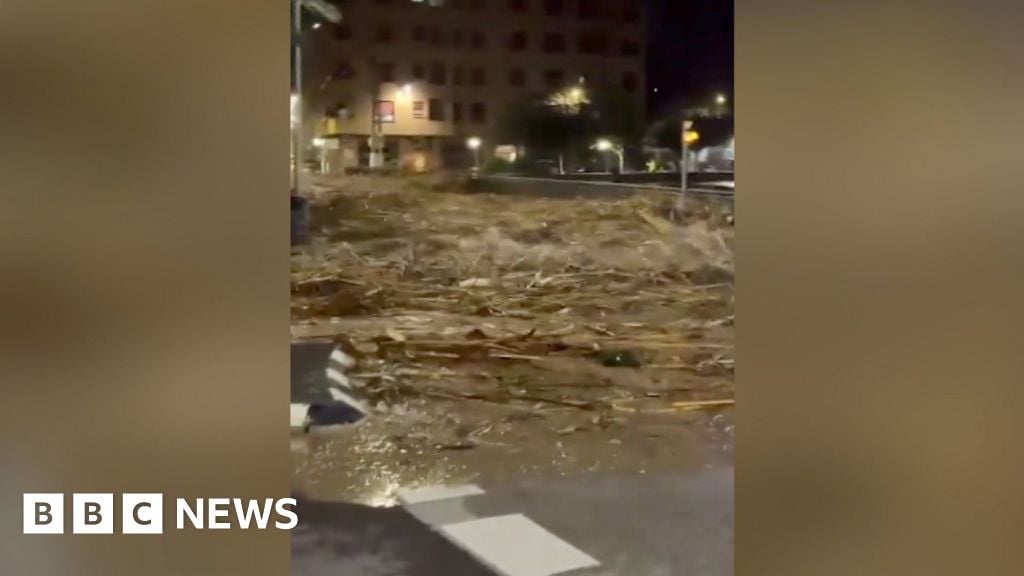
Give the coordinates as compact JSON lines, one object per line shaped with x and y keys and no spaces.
{"x":462,"y":417}
{"x":439,"y":442}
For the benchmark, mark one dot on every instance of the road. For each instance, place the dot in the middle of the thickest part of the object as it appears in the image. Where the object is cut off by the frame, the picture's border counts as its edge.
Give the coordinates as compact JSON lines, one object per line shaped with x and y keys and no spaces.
{"x":596,"y":524}
{"x":586,"y":526}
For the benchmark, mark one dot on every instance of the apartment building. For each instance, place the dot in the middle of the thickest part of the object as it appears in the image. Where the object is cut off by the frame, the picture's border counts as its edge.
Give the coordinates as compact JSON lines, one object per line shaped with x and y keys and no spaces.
{"x":415,"y":79}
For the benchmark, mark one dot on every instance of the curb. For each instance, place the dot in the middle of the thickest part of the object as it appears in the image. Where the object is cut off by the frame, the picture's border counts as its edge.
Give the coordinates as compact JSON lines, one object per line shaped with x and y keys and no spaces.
{"x":321,"y":392}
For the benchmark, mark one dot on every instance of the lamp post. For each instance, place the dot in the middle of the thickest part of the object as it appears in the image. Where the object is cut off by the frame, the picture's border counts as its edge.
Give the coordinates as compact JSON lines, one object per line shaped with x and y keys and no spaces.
{"x":605,"y":145}
{"x":328,"y":12}
{"x":473,"y":144}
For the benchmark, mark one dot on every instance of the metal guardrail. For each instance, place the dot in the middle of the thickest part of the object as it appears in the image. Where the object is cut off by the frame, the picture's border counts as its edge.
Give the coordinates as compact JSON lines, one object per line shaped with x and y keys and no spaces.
{"x":704,"y":189}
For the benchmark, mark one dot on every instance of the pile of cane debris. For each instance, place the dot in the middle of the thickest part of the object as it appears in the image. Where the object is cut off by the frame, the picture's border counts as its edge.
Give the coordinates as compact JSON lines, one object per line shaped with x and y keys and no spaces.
{"x":599,"y":310}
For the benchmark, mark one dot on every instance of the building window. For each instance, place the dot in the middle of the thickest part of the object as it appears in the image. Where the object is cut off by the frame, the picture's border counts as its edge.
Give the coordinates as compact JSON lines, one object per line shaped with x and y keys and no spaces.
{"x":384,"y":35}
{"x":593,"y":43}
{"x":554,"y":42}
{"x":418,"y":71}
{"x":435,"y":109}
{"x":517,"y":77}
{"x":419,"y":33}
{"x":386,"y":71}
{"x":342,"y":32}
{"x":630,"y":82}
{"x":588,"y":9}
{"x":456,"y":111}
{"x":478,"y":113}
{"x":554,"y":78}
{"x":478,"y":77}
{"x":517,"y":42}
{"x":630,"y":48}
{"x":436,"y":37}
{"x":437,"y":73}
{"x":477,"y":40}
{"x":517,"y":5}
{"x":343,"y":71}
{"x":457,"y":76}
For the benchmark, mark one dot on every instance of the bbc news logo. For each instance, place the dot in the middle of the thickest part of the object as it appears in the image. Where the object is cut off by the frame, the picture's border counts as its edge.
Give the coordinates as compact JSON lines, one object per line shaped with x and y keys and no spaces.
{"x":144,"y":514}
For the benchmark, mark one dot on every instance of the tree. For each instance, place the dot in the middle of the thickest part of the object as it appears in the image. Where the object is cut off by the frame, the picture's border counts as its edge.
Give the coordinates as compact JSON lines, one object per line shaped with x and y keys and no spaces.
{"x":564,"y":125}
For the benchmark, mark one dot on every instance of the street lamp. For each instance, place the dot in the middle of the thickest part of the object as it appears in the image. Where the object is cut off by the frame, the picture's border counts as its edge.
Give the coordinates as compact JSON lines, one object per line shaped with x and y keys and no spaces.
{"x":720,"y":100}
{"x":473,"y":144}
{"x":605,"y":145}
{"x":331,"y":13}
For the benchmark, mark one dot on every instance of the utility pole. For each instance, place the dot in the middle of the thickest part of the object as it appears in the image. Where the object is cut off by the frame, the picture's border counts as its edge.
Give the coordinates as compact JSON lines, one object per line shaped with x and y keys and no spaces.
{"x":376,"y":126}
{"x":684,"y":156}
{"x":330,"y":13}
{"x":297,"y":95}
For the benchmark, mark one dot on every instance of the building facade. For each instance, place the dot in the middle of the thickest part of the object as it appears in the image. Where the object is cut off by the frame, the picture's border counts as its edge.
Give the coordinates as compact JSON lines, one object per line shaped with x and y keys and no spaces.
{"x":408,"y":82}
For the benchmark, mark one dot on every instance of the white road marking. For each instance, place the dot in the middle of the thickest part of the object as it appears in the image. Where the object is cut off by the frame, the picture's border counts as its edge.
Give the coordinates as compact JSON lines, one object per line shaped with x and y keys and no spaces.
{"x":514,"y":545}
{"x":409,"y":496}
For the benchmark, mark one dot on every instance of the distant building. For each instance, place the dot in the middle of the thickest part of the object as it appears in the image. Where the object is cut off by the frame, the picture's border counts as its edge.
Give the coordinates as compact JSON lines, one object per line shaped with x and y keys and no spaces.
{"x":442,"y":71}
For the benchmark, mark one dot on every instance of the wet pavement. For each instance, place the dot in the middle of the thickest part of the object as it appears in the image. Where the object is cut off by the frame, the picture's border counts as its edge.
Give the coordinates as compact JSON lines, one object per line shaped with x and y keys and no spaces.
{"x":645,"y":525}
{"x":354,"y":540}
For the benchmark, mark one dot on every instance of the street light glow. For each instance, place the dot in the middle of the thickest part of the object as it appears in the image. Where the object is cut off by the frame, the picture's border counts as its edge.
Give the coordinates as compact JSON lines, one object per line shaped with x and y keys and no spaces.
{"x":473,"y":143}
{"x":720,"y":99}
{"x":604,"y":144}
{"x":316,"y":25}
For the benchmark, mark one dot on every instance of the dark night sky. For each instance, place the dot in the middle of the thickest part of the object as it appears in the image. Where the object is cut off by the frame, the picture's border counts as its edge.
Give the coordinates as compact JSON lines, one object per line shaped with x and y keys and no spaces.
{"x":690,"y":52}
